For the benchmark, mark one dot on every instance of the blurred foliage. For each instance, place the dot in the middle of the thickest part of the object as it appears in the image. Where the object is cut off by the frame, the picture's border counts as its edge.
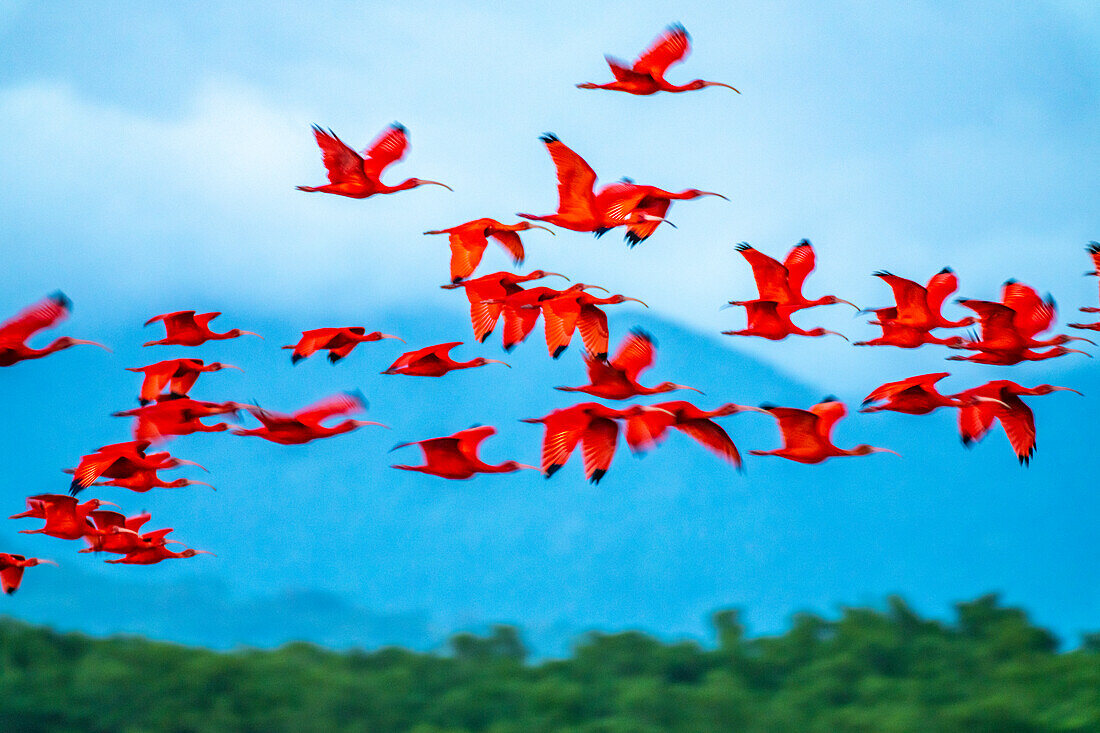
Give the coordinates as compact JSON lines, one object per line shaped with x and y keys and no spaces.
{"x":869,"y":670}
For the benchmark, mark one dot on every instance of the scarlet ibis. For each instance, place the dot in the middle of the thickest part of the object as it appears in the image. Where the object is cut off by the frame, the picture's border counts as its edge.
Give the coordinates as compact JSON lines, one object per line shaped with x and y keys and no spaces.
{"x":912,"y":396}
{"x":487,"y":293}
{"x":647,"y":75}
{"x":783,"y":282}
{"x":143,"y":481}
{"x":65,"y":518}
{"x":904,"y":337}
{"x":1001,"y":401}
{"x":767,"y":319}
{"x":807,"y":433}
{"x":11,"y":569}
{"x":122,"y":535}
{"x":618,"y":379}
{"x":338,"y":341}
{"x":919,"y":307}
{"x":577,"y":206}
{"x":154,"y":554}
{"x":359,"y":176}
{"x":185,"y":328}
{"x":468,"y":242}
{"x":1009,"y":358}
{"x":305,"y":425}
{"x":645,"y":428}
{"x":44,"y":314}
{"x":172,"y":416}
{"x":178,"y":374}
{"x":434,"y":361}
{"x":589,"y":423}
{"x":1094,"y":252}
{"x":1009,"y":327}
{"x":655,"y":202}
{"x":522,"y":310}
{"x":455,"y":456}
{"x":121,"y":460}
{"x":578,"y":310}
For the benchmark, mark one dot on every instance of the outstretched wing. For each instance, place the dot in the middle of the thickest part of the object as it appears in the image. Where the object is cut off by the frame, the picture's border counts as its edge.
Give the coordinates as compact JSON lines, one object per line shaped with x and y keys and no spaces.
{"x":598,"y":447}
{"x":623,"y":72}
{"x":890,"y":389}
{"x":635,"y":354}
{"x":667,"y":49}
{"x":389,"y":147}
{"x":575,"y":180}
{"x":44,"y":314}
{"x":711,"y":436}
{"x":800,"y":262}
{"x":911,"y":298}
{"x":942,"y":284}
{"x":1019,"y":424}
{"x":471,"y":438}
{"x":771,"y":277}
{"x":799,"y":427}
{"x":341,"y":404}
{"x":511,"y":242}
{"x":1033,"y":314}
{"x":342,"y":163}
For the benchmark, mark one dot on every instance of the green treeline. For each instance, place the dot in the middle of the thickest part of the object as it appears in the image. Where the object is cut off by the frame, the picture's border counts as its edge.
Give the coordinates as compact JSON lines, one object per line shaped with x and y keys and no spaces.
{"x":989,"y":671}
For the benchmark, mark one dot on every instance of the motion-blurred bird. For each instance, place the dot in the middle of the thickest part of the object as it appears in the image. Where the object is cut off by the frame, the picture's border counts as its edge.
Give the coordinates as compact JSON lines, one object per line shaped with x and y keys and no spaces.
{"x":359,"y":176}
{"x":305,"y":425}
{"x":646,"y":428}
{"x":169,"y":417}
{"x":179,"y":375}
{"x":468,"y":242}
{"x":1000,"y":400}
{"x":783,"y":283}
{"x":588,"y":423}
{"x":647,"y":75}
{"x":767,"y":319}
{"x":44,"y":314}
{"x":122,"y":535}
{"x":807,"y":434}
{"x":339,"y":342}
{"x":913,"y":396}
{"x":920,"y":306}
{"x":455,"y":456}
{"x":11,"y":569}
{"x":488,"y":293}
{"x":617,"y":379}
{"x":185,"y":328}
{"x":65,"y":518}
{"x":434,"y":361}
{"x":578,"y":310}
{"x":121,"y":460}
{"x":154,"y":554}
{"x":655,"y":203}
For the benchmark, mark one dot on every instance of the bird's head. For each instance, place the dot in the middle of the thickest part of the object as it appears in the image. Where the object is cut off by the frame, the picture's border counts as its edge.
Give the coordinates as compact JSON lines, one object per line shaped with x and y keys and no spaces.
{"x":191,"y":553}
{"x":833,"y":300}
{"x":821,"y":332}
{"x":482,"y":361}
{"x":866,"y":450}
{"x":217,"y":366}
{"x":65,"y":342}
{"x":182,"y":482}
{"x":622,"y":299}
{"x":525,"y":225}
{"x":238,"y":332}
{"x":1063,"y":339}
{"x":539,"y":274}
{"x":1048,"y":388}
{"x":672,"y":387}
{"x":700,"y":84}
{"x":414,"y":182}
{"x":31,"y":562}
{"x":695,"y":193}
{"x":516,"y":466}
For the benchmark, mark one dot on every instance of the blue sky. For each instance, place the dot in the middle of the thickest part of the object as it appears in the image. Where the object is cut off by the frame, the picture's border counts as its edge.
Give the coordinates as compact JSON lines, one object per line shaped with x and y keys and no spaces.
{"x":151,"y":153}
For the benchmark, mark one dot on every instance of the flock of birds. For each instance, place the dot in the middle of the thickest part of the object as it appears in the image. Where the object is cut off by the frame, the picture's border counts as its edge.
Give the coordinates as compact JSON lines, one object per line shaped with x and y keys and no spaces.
{"x":1009,"y":334}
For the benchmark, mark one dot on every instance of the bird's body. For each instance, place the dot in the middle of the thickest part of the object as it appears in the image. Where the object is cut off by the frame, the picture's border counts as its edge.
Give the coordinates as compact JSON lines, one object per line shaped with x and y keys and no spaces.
{"x":468,"y":242}
{"x":588,"y":423}
{"x":434,"y":361}
{"x":179,"y":375}
{"x":904,"y":337}
{"x":44,"y":314}
{"x":187,"y":328}
{"x":153,"y":554}
{"x":359,"y":176}
{"x":1000,"y":400}
{"x":121,"y":461}
{"x":11,"y":569}
{"x":647,"y":75}
{"x":487,"y":295}
{"x":807,"y":434}
{"x":339,"y":342}
{"x":617,"y":379}
{"x":577,"y":310}
{"x":306,"y":424}
{"x":920,"y":306}
{"x":654,"y":203}
{"x":122,"y":535}
{"x":767,"y":319}
{"x":455,"y":456}
{"x":913,"y":396}
{"x":169,"y":417}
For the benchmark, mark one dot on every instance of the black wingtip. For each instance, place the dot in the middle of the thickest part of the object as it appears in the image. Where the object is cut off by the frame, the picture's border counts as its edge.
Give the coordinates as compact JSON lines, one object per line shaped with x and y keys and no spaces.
{"x":75,"y":488}
{"x":552,"y":469}
{"x":632,"y":239}
{"x":947,"y":271}
{"x":1093,"y":248}
{"x":598,"y":474}
{"x":333,"y":358}
{"x":61,"y":299}
{"x":830,"y":398}
{"x":767,"y":406}
{"x":643,"y":334}
{"x":882,"y":273}
{"x":399,"y":127}
{"x":600,"y":231}
{"x":295,"y":358}
{"x":742,"y":246}
{"x":804,"y":243}
{"x":559,"y":351}
{"x":549,"y":137}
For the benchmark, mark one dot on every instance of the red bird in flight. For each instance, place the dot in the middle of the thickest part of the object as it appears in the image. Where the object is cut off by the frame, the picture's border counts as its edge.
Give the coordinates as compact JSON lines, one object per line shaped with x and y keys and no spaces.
{"x":11,"y":569}
{"x":913,"y":396}
{"x":121,"y":535}
{"x":121,"y":461}
{"x":904,"y":337}
{"x":468,"y":242}
{"x":185,"y":328}
{"x":487,"y":295}
{"x":1094,"y":252}
{"x":807,"y":433}
{"x":578,"y":310}
{"x":305,"y":425}
{"x":578,"y":209}
{"x":179,"y":375}
{"x":173,"y":416}
{"x":455,"y":456}
{"x":65,"y":518}
{"x":154,"y":554}
{"x":359,"y":176}
{"x":654,"y":203}
{"x":617,"y":379}
{"x":767,"y":319}
{"x":919,"y":306}
{"x":646,"y":428}
{"x":647,"y":75}
{"x":1000,"y":400}
{"x":783,"y":283}
{"x":44,"y":314}
{"x":339,"y":342}
{"x":434,"y":361}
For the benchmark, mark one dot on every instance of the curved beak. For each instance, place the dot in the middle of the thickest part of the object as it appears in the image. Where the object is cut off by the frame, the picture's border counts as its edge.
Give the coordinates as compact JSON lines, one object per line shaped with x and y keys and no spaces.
{"x":184,"y":462}
{"x":557,"y":274}
{"x":524,"y":465}
{"x":593,"y":287}
{"x":108,"y":503}
{"x":495,"y":361}
{"x":838,"y":334}
{"x":693,"y":389}
{"x":205,"y":552}
{"x":370,"y":422}
{"x":1080,"y":338}
{"x":92,"y":343}
{"x":636,"y":301}
{"x":250,"y":333}
{"x":201,"y":483}
{"x":231,"y":366}
{"x":848,"y":302}
{"x":436,"y":183}
{"x":539,"y":226}
{"x":712,"y":193}
{"x":1066,"y":389}
{"x":887,"y":450}
{"x":388,"y":336}
{"x":719,"y":84}
{"x":48,"y":562}
{"x":1078,"y":351}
